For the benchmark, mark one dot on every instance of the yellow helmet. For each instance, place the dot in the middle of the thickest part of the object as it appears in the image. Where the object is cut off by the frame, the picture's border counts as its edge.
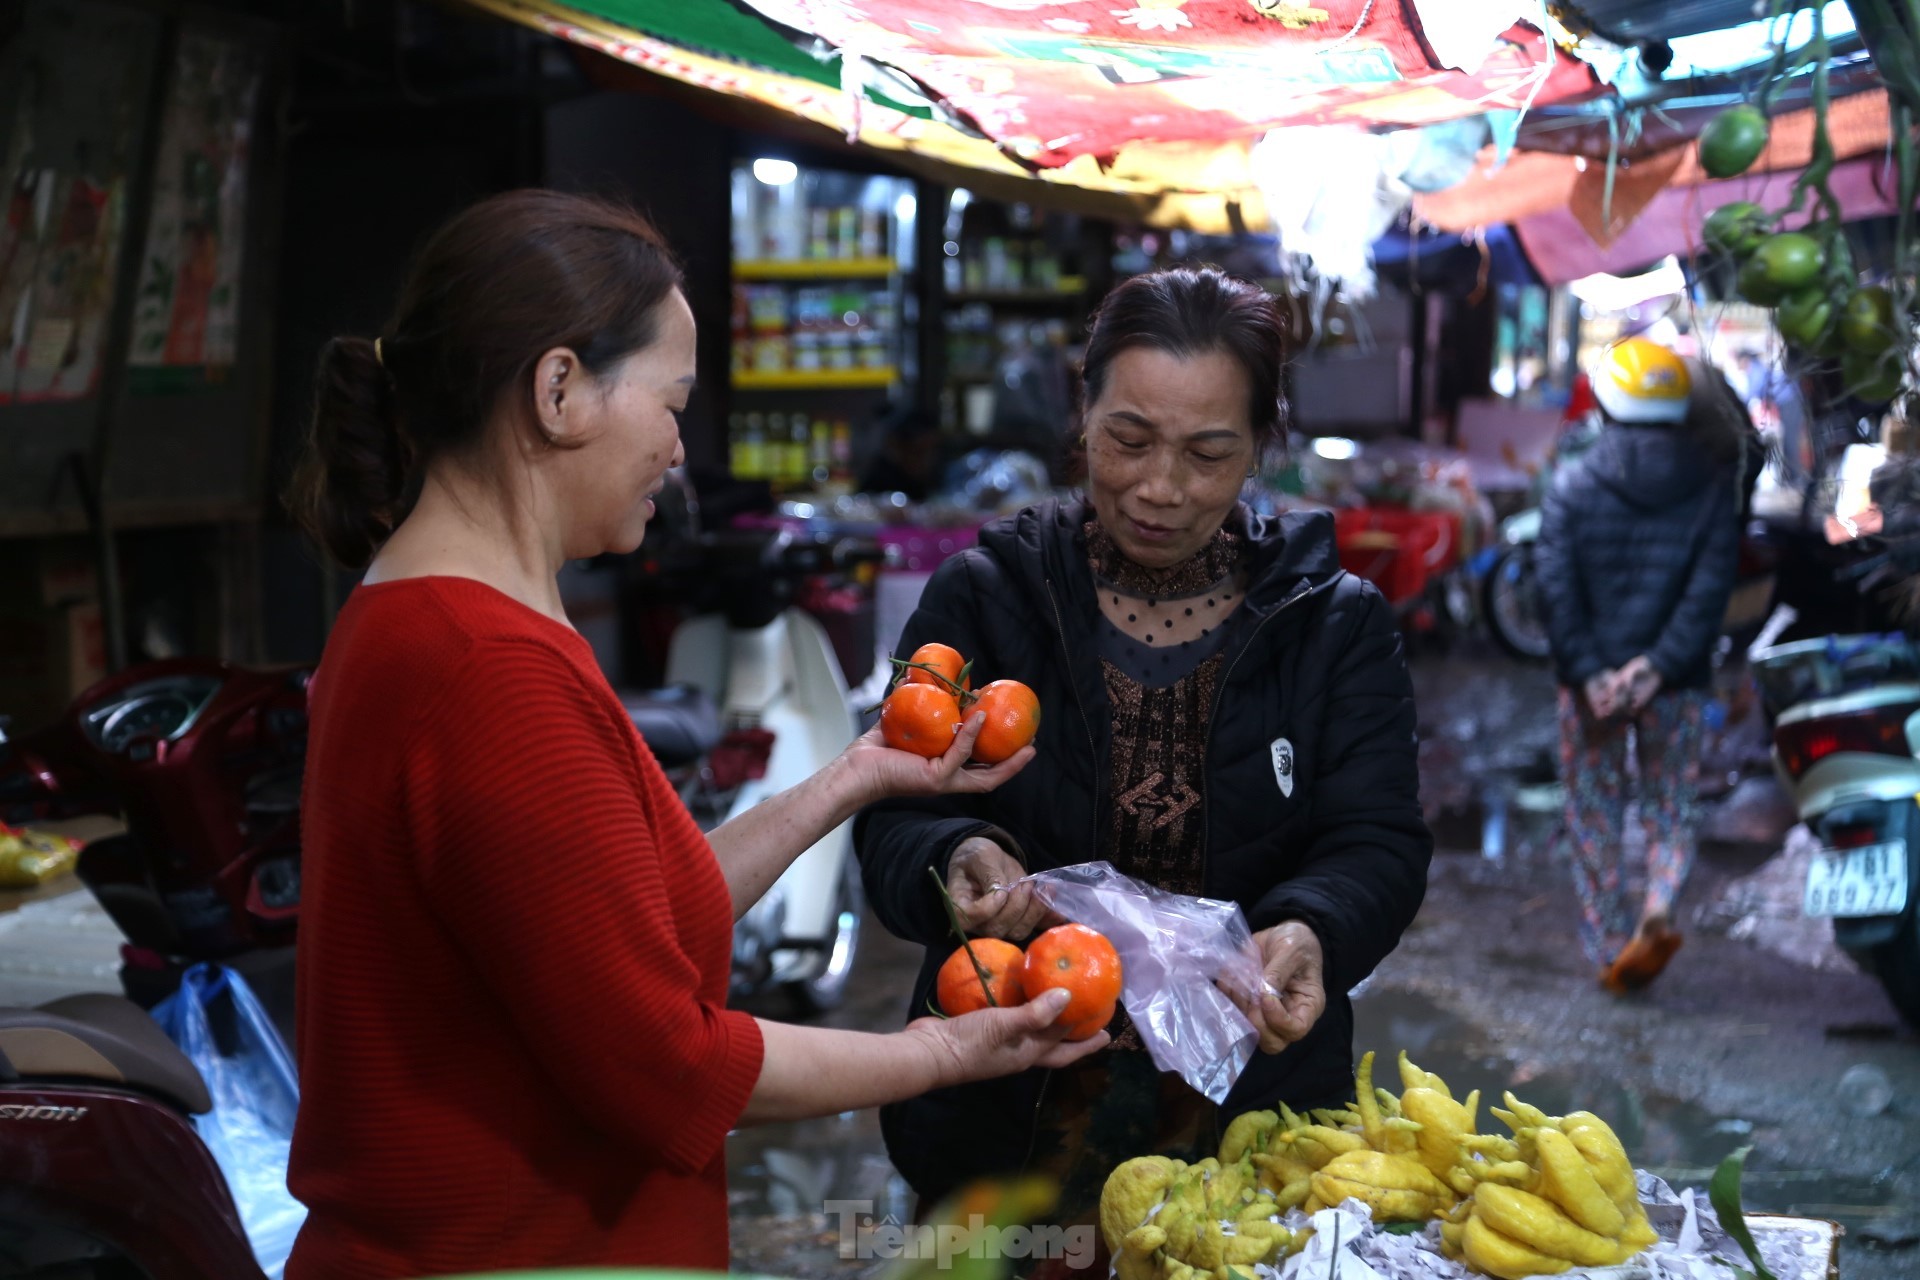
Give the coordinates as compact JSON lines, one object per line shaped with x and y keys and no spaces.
{"x":1639,"y":380}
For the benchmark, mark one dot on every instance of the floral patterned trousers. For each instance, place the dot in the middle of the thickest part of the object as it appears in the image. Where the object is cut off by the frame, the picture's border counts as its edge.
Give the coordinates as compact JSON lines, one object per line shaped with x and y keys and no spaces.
{"x":1593,"y":765}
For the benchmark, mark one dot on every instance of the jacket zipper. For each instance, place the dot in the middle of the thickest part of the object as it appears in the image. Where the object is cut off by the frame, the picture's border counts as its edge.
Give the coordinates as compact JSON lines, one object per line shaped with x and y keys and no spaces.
{"x":1219,"y":695}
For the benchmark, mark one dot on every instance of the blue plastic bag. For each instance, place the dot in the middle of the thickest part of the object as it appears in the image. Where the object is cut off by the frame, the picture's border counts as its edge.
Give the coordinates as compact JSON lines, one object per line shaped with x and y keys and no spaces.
{"x":255,"y":1092}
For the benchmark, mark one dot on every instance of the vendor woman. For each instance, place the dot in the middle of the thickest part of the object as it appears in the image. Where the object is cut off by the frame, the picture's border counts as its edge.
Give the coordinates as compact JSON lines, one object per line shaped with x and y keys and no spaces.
{"x":514,"y":1045}
{"x":1226,"y":713}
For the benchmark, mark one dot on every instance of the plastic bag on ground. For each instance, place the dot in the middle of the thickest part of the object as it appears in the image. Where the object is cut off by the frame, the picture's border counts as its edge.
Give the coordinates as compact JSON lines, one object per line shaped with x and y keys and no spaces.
{"x":218,"y":1023}
{"x":1175,"y":954}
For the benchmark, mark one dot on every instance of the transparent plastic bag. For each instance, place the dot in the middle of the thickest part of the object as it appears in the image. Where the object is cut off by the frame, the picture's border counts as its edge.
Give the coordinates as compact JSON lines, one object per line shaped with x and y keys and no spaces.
{"x":1176,"y":955}
{"x":255,"y":1092}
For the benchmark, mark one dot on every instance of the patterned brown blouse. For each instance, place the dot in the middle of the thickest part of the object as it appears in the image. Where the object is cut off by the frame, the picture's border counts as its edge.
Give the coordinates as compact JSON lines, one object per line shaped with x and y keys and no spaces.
{"x":1162,"y":697}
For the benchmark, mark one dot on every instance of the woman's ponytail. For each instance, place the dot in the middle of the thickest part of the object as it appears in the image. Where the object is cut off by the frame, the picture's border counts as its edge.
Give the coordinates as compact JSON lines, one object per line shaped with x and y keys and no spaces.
{"x":352,"y":484}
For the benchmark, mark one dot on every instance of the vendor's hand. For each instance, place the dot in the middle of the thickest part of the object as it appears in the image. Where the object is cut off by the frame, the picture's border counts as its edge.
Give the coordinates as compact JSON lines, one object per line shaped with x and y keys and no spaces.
{"x":1602,"y":700}
{"x":1635,"y":685}
{"x":1294,"y":968}
{"x":998,"y":1042}
{"x":984,"y":882}
{"x":882,"y":772}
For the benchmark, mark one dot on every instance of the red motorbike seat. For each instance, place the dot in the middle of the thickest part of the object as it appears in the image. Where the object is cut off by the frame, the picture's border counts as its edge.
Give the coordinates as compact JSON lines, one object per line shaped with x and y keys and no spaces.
{"x":100,"y":1037}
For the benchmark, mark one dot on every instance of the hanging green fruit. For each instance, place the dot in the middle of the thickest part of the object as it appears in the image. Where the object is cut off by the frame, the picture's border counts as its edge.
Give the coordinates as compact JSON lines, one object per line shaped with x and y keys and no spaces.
{"x":1868,"y":322}
{"x":1754,"y":285}
{"x":1736,"y":228}
{"x":1805,"y":316}
{"x":1733,"y":140}
{"x":1790,"y":260}
{"x":1872,"y":377}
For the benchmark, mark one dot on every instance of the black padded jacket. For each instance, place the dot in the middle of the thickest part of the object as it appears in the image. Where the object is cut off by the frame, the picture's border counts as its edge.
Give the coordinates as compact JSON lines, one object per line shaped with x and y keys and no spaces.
{"x":1639,"y":545}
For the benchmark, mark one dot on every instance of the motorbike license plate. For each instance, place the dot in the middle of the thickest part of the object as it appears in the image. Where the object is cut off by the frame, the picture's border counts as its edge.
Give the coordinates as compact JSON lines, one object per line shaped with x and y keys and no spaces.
{"x":1868,"y":881}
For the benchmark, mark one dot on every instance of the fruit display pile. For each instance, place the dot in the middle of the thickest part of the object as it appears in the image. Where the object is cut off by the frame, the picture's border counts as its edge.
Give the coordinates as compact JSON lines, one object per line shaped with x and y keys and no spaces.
{"x":1551,"y":1194}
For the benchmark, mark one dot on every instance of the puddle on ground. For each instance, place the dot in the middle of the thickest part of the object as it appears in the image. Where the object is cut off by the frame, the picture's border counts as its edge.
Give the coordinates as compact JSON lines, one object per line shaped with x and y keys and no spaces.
{"x":1677,"y":1140}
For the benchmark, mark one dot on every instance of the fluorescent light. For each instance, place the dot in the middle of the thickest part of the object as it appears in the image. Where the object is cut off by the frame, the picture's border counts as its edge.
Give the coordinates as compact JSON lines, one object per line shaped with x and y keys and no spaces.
{"x":1335,"y":448}
{"x":775,"y":173}
{"x":905,"y":207}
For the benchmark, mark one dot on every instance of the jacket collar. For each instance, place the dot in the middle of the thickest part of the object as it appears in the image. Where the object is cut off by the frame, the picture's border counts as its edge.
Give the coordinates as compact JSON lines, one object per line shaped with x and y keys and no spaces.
{"x":1046,"y":543}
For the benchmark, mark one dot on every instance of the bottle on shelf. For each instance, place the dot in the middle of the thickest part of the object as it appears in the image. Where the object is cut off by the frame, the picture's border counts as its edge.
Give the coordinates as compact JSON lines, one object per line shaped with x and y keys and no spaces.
{"x":799,"y":443}
{"x":842,"y":451}
{"x":756,"y":452}
{"x":737,"y":461}
{"x":820,"y":453}
{"x":775,"y":465}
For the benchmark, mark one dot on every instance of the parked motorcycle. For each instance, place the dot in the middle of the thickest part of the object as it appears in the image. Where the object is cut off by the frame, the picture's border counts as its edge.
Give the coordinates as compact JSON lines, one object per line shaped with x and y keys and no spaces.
{"x":756,"y":702}
{"x":1510,"y":590}
{"x":202,"y":761}
{"x":1847,"y":744}
{"x":102,"y":1175}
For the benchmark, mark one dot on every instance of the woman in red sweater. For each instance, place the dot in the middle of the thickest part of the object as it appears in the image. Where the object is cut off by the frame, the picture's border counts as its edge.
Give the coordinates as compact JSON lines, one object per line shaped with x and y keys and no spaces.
{"x":515,"y":943}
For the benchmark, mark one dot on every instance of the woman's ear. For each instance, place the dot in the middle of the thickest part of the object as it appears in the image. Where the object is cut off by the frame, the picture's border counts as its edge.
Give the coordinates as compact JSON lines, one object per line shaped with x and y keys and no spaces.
{"x":557,"y":381}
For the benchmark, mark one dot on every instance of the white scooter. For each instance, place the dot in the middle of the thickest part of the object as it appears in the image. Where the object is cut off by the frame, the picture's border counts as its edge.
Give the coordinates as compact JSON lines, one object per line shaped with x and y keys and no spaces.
{"x":756,"y":702}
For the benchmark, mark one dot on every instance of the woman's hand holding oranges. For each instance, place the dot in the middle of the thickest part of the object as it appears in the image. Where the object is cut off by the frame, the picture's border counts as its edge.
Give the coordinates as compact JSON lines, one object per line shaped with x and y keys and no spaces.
{"x":1000,"y":1041}
{"x":933,"y":726}
{"x":885,"y":771}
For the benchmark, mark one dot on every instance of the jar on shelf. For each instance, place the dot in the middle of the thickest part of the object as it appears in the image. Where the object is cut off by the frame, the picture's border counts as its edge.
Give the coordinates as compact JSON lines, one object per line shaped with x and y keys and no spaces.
{"x":806,"y":352}
{"x":767,"y":307}
{"x":839,"y":352}
{"x":772,"y":353}
{"x":871,"y":345}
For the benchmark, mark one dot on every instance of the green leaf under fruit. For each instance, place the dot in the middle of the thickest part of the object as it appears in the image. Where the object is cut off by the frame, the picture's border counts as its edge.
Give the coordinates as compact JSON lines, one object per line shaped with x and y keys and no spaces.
{"x":1724,"y":1192}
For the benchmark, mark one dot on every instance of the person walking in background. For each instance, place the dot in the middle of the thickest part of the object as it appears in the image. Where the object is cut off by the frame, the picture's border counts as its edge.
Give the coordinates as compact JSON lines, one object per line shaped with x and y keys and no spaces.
{"x":1638,"y":546}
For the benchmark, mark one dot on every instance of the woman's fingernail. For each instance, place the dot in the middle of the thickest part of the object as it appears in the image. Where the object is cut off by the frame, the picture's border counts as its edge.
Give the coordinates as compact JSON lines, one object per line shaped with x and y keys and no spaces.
{"x":1055,"y":1000}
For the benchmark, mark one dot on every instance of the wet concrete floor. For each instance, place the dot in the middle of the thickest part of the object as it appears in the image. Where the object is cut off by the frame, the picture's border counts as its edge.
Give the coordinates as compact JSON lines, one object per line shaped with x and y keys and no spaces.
{"x":1734,"y":1045}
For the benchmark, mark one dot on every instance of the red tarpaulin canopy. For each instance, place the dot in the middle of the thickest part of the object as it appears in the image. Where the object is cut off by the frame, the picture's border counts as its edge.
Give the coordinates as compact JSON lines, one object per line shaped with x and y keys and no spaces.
{"x":1052,"y":80}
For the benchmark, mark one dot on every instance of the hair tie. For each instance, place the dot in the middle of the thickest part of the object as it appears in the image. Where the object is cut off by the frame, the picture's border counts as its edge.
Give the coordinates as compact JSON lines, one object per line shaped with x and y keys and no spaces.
{"x":379,"y":357}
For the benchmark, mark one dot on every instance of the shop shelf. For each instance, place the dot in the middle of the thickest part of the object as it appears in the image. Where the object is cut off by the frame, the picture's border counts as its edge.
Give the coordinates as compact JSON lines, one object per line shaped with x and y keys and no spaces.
{"x":815,"y":269}
{"x":815,"y":380}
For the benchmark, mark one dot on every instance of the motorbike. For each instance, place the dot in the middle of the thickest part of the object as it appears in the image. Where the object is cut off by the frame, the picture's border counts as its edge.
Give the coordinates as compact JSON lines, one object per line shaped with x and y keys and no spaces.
{"x":202,"y":761}
{"x":1846,"y":741}
{"x":755,"y":701}
{"x":1510,"y":592}
{"x":102,"y":1175}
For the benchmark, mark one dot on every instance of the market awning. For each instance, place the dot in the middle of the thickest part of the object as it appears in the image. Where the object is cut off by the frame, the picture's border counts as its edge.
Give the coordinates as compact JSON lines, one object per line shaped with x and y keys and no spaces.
{"x":1159,"y":102}
{"x":1054,"y":80}
{"x":1204,"y":186}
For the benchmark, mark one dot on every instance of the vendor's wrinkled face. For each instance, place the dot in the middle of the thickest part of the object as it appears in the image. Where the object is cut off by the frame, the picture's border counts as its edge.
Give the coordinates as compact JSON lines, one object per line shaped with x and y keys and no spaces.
{"x":1169,"y":444}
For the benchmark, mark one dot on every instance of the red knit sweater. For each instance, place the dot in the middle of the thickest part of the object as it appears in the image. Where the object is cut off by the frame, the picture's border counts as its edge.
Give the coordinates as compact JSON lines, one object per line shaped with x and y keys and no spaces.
{"x":514,"y":947}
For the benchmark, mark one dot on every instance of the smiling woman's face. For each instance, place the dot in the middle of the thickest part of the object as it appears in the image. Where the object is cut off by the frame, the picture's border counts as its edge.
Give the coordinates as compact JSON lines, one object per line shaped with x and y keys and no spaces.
{"x":1169,"y":444}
